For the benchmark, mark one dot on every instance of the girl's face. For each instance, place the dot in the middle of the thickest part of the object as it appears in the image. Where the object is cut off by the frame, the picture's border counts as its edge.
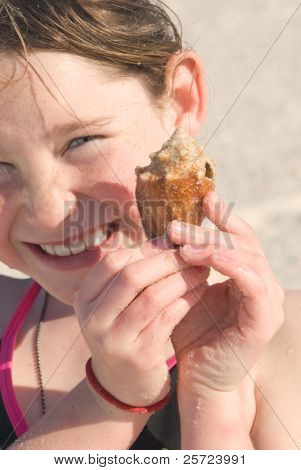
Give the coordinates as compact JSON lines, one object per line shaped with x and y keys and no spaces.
{"x":55,"y":181}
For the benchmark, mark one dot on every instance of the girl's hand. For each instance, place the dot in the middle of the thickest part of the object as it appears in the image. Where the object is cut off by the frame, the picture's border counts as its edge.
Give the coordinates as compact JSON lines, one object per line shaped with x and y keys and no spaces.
{"x":223,"y":336}
{"x":127,"y":307}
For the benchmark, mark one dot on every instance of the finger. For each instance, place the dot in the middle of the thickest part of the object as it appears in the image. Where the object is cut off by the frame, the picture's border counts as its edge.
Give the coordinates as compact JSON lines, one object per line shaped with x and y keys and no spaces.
{"x":222,"y":216}
{"x":157,"y":297}
{"x":203,"y":255}
{"x":257,"y":261}
{"x":161,"y":328}
{"x":257,"y":309}
{"x":113,"y":262}
{"x":183,"y":233}
{"x":132,"y":280}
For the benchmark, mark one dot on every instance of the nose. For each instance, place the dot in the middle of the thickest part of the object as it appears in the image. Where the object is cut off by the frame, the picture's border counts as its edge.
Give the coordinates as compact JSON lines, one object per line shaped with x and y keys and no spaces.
{"x":49,"y":201}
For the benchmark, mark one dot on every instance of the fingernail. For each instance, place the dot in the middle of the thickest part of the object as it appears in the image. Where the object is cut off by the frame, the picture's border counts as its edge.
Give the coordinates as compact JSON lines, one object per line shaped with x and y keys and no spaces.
{"x":221,"y":257}
{"x":193,"y":248}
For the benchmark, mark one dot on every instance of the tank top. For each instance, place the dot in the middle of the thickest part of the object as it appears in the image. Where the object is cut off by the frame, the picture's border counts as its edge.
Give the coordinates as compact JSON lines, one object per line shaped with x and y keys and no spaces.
{"x":159,"y":431}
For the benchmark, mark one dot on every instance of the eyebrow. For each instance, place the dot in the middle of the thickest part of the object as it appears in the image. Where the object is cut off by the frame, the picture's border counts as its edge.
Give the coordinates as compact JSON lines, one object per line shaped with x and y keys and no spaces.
{"x":79,"y":124}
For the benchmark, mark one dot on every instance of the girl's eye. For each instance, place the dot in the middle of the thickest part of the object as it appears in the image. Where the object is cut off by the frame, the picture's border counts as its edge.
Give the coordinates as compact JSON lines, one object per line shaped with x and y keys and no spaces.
{"x":80,"y":141}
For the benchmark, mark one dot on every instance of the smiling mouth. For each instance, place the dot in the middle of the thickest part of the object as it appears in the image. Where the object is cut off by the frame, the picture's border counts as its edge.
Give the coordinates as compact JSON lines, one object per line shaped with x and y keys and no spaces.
{"x":81,"y":259}
{"x":91,"y":241}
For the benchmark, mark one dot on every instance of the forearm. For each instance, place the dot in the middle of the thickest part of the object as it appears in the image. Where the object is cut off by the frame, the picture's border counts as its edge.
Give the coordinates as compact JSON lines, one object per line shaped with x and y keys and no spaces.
{"x":213,"y":421}
{"x":82,"y":420}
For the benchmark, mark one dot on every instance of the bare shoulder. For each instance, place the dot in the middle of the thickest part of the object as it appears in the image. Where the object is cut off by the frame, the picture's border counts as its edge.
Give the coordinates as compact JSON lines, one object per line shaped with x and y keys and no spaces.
{"x":277,"y":423}
{"x":11,"y":292}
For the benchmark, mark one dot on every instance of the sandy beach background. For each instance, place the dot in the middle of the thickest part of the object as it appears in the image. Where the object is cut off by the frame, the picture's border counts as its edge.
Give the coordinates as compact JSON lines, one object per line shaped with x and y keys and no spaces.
{"x":251,"y":55}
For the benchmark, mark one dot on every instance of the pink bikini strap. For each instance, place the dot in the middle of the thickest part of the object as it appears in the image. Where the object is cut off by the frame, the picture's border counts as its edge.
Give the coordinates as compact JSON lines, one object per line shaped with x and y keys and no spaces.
{"x":171,"y":362}
{"x":6,"y":355}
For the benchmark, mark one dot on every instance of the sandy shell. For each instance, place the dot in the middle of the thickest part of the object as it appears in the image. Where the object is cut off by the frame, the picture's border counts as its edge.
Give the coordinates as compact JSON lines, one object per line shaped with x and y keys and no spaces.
{"x":174,"y":190}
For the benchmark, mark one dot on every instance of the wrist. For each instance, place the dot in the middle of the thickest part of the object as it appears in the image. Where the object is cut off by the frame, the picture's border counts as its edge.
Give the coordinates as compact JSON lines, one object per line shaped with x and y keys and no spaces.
{"x":126,"y":405}
{"x":212,"y":420}
{"x":226,"y":405}
{"x":109,"y":411}
{"x":146,"y":390}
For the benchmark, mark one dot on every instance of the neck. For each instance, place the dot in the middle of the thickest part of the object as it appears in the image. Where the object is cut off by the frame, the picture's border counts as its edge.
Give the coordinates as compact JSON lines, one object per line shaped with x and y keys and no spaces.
{"x":56,"y":309}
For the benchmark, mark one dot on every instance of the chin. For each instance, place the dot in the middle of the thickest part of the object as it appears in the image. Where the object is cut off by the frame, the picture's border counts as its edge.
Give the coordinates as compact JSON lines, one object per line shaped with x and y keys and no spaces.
{"x":63,"y":286}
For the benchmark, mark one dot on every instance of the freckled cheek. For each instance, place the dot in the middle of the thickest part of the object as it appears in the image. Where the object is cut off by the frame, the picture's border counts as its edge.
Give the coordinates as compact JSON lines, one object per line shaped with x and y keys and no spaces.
{"x":8,"y":213}
{"x":110,"y":181}
{"x":114,"y":166}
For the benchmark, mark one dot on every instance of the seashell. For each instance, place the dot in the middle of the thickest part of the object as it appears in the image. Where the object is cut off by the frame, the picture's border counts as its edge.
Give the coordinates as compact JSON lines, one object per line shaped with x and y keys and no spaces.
{"x":174,"y":184}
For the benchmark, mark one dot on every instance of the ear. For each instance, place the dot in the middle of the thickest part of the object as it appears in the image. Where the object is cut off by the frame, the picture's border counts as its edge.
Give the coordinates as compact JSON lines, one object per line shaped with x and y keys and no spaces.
{"x":187,"y":90}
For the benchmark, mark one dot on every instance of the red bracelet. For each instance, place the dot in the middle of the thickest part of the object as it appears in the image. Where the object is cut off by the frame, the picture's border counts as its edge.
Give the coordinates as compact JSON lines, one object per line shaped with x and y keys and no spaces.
{"x":123,"y":406}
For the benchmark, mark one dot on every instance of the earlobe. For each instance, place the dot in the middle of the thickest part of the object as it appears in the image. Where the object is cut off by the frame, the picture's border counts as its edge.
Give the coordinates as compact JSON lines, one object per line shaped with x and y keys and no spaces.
{"x":187,"y":90}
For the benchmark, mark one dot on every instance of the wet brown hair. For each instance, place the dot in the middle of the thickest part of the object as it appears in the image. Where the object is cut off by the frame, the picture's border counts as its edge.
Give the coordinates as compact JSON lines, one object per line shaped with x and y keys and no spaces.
{"x":134,"y":37}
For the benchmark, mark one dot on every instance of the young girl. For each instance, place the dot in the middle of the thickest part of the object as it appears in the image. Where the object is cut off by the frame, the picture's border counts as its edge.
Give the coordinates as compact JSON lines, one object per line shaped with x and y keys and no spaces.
{"x":88,"y":90}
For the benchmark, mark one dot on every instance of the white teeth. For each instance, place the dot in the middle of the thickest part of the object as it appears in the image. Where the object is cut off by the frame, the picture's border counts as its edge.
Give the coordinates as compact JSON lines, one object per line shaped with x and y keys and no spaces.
{"x":49,"y":249}
{"x":91,"y":240}
{"x":97,"y":237}
{"x":62,"y":250}
{"x":78,"y":248}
